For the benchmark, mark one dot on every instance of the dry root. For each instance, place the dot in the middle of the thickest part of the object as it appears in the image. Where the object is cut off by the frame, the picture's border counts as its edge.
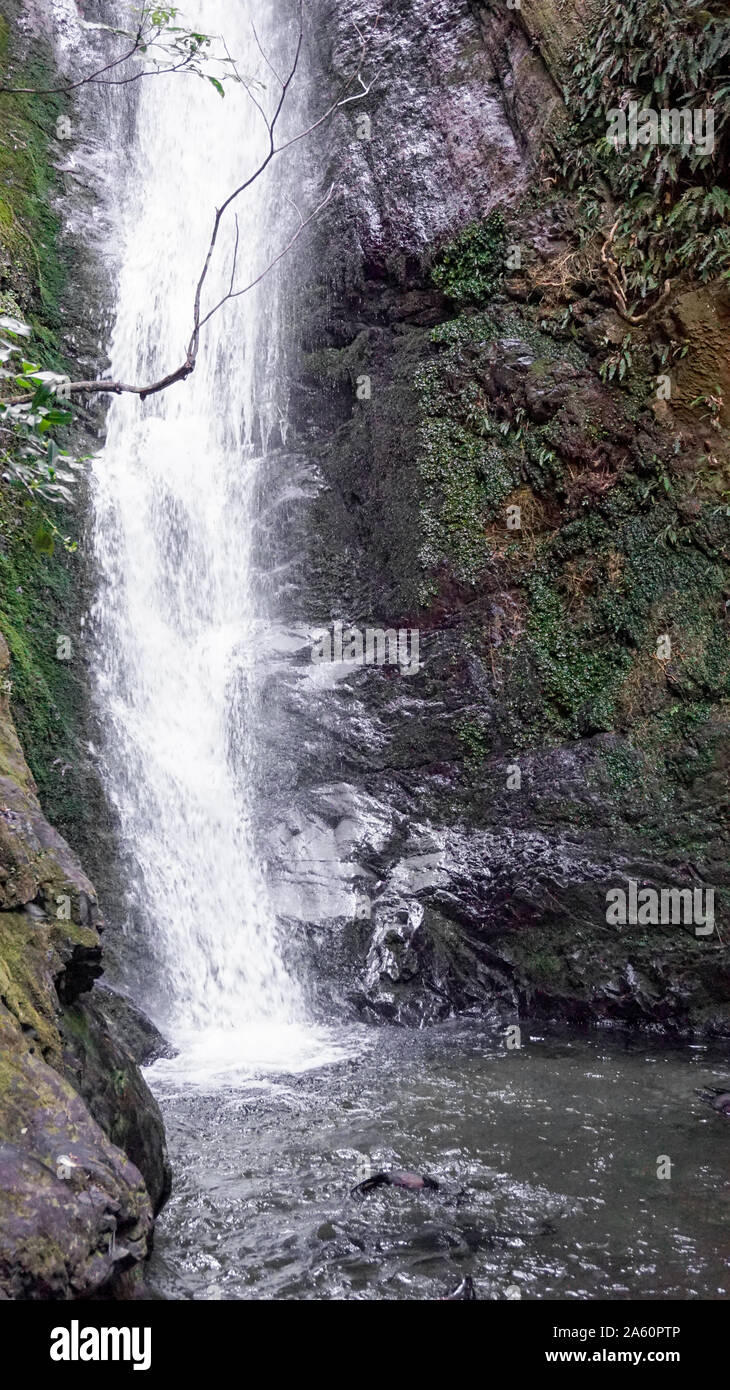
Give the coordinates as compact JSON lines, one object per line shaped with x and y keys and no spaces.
{"x":616,"y":277}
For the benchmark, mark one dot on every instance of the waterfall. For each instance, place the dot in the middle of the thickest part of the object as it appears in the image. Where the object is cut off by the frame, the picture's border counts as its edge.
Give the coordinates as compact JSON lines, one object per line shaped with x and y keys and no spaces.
{"x":179,"y":617}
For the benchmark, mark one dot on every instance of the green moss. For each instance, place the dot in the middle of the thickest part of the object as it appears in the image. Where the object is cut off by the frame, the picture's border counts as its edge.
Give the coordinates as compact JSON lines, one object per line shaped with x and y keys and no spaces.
{"x":37,"y":585}
{"x":602,"y":578}
{"x":37,"y":596}
{"x":76,"y":1023}
{"x":32,"y":264}
{"x":624,"y":767}
{"x":25,"y":984}
{"x":580,"y":678}
{"x":471,"y":267}
{"x":546,"y":967}
{"x":465,"y":480}
{"x":465,"y":473}
{"x":473,"y":737}
{"x":470,"y":460}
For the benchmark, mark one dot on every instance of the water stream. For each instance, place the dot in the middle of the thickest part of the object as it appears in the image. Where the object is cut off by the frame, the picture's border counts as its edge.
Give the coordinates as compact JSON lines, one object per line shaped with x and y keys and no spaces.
{"x":548,"y":1158}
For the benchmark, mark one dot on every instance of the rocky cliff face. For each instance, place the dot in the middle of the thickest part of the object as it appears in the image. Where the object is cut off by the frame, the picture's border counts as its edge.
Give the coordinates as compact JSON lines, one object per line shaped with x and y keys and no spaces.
{"x":76,"y":1209}
{"x":449,"y":838}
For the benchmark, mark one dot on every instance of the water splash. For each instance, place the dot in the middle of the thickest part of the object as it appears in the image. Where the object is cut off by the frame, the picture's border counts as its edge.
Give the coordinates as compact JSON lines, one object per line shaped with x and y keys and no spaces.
{"x":177,"y":613}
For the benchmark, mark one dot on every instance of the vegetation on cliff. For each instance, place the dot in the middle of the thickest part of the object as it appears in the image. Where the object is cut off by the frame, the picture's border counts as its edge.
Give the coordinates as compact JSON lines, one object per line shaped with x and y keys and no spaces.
{"x":670,"y":198}
{"x":38,"y":574}
{"x":573,"y":482}
{"x":601,"y":513}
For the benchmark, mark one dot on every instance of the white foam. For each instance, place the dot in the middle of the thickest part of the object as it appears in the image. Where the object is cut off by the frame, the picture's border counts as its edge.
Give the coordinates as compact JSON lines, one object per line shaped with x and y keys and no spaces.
{"x":251,"y":1055}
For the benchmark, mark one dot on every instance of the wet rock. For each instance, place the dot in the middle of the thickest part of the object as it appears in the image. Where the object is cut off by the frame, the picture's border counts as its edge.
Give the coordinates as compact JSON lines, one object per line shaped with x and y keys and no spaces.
{"x":409,"y":1182}
{"x":106,"y":1039}
{"x":74,"y":1212}
{"x":718,"y":1099}
{"x":77,"y":1122}
{"x":438,"y":126}
{"x":497,"y":903}
{"x":463,"y":1293}
{"x":128,"y":1027}
{"x":528,"y":50}
{"x":444,"y":890}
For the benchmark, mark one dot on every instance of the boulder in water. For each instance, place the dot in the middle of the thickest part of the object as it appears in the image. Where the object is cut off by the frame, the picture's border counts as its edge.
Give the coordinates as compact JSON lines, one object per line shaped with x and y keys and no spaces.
{"x":412,"y":1182}
{"x":718,"y":1098}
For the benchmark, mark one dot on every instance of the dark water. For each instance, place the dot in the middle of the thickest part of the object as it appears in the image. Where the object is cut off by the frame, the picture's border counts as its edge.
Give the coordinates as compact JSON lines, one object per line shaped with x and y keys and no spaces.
{"x":547,"y":1159}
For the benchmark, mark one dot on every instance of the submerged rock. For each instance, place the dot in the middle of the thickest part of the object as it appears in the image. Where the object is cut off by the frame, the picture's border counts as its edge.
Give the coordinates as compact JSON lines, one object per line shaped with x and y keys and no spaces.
{"x":718,"y":1099}
{"x":463,"y":1293}
{"x":410,"y":1182}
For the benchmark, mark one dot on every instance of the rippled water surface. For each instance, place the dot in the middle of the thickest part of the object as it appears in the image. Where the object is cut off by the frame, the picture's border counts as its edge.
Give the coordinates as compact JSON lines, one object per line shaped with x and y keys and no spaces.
{"x":547,"y":1159}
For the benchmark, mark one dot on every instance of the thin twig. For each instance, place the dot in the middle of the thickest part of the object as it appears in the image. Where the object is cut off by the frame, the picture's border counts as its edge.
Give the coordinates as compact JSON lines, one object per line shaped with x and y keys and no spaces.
{"x":303,"y":224}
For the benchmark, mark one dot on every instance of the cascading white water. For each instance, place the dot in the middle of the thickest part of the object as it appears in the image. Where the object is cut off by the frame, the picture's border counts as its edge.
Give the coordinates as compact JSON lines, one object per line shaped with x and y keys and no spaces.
{"x":175,"y":619}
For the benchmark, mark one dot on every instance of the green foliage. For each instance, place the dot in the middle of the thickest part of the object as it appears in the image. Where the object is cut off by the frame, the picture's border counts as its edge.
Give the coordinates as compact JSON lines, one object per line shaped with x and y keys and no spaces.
{"x":471,"y":461}
{"x":672,"y":208}
{"x":167,"y":46}
{"x":618,"y":363}
{"x":37,"y":592}
{"x":668,"y":52}
{"x":37,"y":588}
{"x":471,"y":267}
{"x":31,"y":456}
{"x":599,"y":591}
{"x":579,"y":669}
{"x":170,"y":47}
{"x":32,"y":267}
{"x":713,"y":405}
{"x":625,"y":768}
{"x":464,"y":459}
{"x":473,"y":737}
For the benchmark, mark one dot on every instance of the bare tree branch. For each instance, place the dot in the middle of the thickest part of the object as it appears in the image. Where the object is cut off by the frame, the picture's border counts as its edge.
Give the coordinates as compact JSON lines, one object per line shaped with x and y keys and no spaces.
{"x":303,"y":224}
{"x":264,"y":55}
{"x":147,"y":37}
{"x":246,"y":85}
{"x":181,"y":373}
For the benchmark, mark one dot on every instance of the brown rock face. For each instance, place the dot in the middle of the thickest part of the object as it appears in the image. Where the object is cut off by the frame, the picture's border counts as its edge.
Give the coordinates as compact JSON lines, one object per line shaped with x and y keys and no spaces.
{"x":74,"y":1210}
